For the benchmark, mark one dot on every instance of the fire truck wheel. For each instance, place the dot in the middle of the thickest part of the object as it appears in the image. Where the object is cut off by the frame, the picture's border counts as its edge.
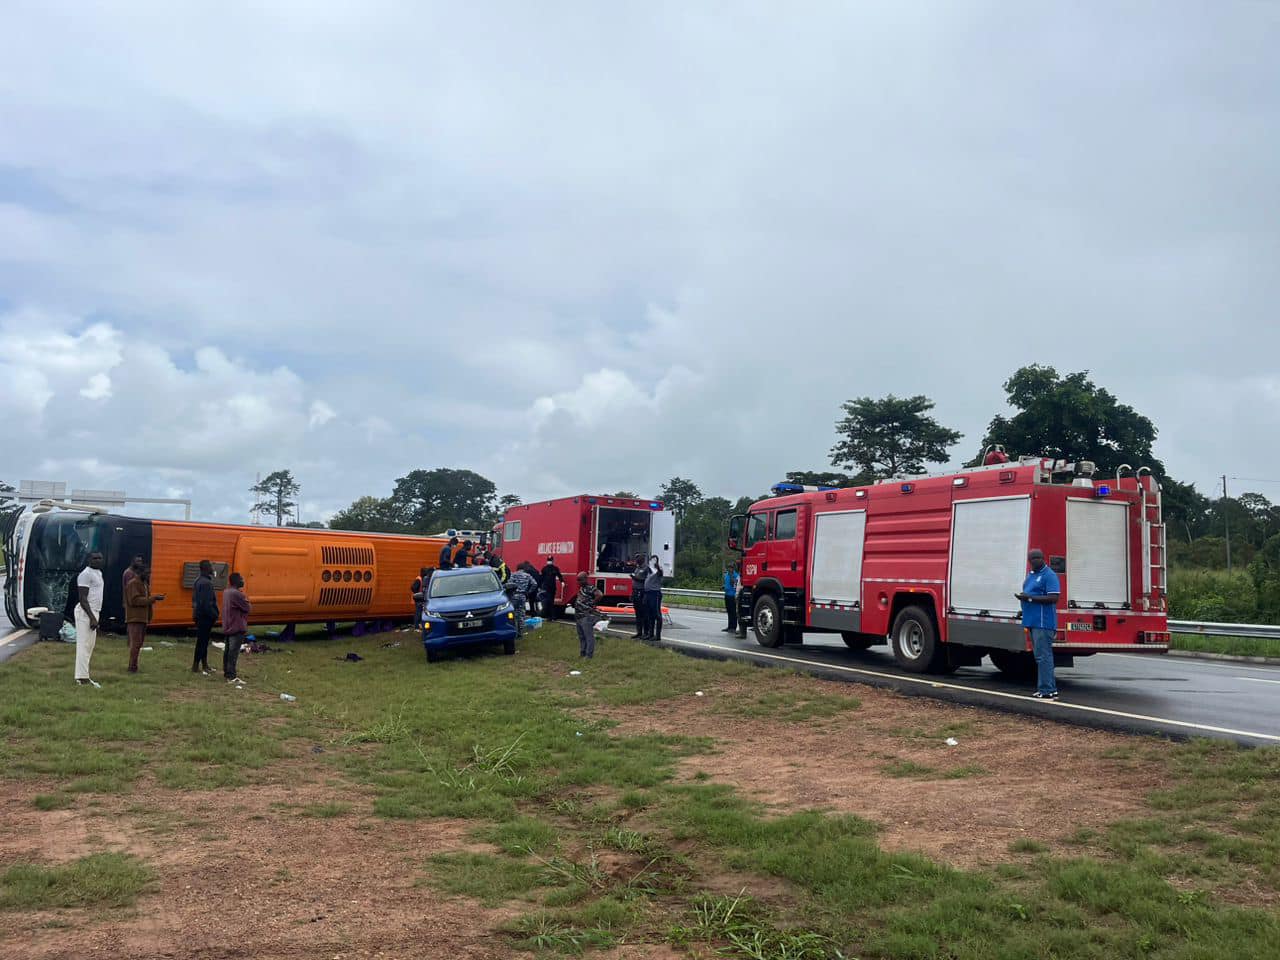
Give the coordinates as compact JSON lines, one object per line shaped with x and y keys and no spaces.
{"x":915,"y":641}
{"x":767,"y":622}
{"x":857,"y":641}
{"x":1014,"y":664}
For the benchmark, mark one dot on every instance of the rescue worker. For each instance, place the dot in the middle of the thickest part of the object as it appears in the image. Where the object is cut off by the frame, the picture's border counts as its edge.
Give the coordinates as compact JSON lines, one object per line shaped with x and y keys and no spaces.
{"x":462,"y":556}
{"x":547,"y":588}
{"x":531,"y":595}
{"x":500,"y":568}
{"x":638,"y":575}
{"x":732,"y":581}
{"x":446,"y":554}
{"x":419,"y":590}
{"x":586,"y":616}
{"x":653,"y":601}
{"x":1039,"y":599}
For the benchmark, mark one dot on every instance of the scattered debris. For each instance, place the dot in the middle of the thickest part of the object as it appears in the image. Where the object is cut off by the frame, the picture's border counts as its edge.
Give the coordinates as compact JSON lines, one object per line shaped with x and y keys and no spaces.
{"x":166,"y":643}
{"x":288,"y":697}
{"x":148,"y":649}
{"x":391,"y":645}
{"x":697,"y":693}
{"x":317,"y":749}
{"x":352,"y":657}
{"x":575,"y":673}
{"x":952,"y":742}
{"x":218,"y":645}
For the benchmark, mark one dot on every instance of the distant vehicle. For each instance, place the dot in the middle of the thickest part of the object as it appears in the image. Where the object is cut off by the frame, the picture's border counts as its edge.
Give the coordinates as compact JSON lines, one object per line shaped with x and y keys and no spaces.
{"x":930,"y":565}
{"x":292,"y":574}
{"x":599,"y":536}
{"x":467,"y":607}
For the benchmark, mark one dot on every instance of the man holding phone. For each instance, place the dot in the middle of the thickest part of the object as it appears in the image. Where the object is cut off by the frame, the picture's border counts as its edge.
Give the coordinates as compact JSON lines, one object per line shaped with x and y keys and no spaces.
{"x":1039,"y":599}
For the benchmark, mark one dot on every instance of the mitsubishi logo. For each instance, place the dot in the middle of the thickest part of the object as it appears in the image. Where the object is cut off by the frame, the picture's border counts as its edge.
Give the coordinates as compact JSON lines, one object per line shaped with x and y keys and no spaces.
{"x":468,"y":613}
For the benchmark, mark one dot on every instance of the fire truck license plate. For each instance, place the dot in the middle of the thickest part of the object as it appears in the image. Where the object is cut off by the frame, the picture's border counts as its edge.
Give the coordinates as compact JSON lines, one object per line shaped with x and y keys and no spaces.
{"x":1080,"y":626}
{"x":470,"y":624}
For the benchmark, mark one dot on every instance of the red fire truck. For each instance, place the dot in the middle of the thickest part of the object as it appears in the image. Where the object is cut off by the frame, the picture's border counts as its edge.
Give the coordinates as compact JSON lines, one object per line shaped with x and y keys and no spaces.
{"x":599,"y":535}
{"x":930,"y":565}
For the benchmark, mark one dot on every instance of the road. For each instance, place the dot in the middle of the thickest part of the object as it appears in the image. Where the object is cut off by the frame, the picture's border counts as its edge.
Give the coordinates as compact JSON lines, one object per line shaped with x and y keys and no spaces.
{"x":11,"y":638}
{"x":1174,"y":696}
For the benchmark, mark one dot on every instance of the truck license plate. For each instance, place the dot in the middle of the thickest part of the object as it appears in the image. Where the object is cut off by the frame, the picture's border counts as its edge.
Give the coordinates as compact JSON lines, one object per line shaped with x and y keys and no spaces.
{"x":470,"y":624}
{"x":1080,"y":625}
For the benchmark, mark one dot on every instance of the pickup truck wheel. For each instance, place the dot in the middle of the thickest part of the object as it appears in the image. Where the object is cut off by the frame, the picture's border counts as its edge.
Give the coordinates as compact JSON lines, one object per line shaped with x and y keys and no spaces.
{"x":433,"y":656}
{"x":767,"y":622}
{"x":1014,"y":664}
{"x":915,"y":641}
{"x":857,"y":641}
{"x":509,"y":647}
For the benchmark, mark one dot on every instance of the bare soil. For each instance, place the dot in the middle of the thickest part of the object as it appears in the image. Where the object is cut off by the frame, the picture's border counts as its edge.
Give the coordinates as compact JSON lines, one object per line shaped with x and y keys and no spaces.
{"x":1035,"y":779}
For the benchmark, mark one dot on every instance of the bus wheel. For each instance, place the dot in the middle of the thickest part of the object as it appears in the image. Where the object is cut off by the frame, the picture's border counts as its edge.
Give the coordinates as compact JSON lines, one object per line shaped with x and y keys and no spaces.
{"x":767,"y":622}
{"x":915,"y":641}
{"x":1014,"y":664}
{"x":857,"y":641}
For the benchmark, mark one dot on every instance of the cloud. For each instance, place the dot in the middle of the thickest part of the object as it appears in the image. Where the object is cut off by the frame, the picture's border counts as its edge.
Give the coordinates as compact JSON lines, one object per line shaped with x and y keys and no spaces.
{"x":321,"y":413}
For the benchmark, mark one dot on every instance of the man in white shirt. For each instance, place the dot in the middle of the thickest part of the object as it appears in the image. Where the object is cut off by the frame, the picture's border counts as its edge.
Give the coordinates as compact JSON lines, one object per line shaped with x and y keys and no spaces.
{"x":89,"y":585}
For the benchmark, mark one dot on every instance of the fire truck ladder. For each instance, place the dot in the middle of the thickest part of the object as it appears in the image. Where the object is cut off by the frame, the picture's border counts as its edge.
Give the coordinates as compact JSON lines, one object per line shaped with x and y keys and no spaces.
{"x":1155,"y":559}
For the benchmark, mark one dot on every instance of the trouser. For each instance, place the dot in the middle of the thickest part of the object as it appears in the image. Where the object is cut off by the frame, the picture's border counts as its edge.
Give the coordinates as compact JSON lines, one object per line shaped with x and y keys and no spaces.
{"x":137,"y":634}
{"x":586,"y":637}
{"x":1042,"y":647}
{"x":637,"y":604}
{"x":653,"y":613}
{"x":546,"y":603}
{"x":86,"y":639}
{"x":731,"y":608}
{"x":204,"y":627}
{"x":230,"y":654}
{"x":417,"y":612}
{"x":517,"y":604}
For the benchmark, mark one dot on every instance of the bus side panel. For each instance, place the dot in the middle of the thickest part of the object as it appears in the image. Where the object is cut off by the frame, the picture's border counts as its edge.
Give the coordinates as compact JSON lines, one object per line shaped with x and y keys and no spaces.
{"x":174,"y":544}
{"x":398,"y":565}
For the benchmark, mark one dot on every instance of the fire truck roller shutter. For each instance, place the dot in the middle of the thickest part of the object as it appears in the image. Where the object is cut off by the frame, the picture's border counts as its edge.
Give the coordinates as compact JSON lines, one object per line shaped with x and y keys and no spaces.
{"x":989,"y":555}
{"x":662,"y":540}
{"x":1097,"y":552}
{"x":835,"y":587}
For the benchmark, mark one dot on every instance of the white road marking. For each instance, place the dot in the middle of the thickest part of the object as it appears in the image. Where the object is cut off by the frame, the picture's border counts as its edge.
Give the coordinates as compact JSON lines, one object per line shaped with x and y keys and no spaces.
{"x":1257,"y":679}
{"x":1059,"y":704}
{"x":1191,"y":662}
{"x":13,"y":636}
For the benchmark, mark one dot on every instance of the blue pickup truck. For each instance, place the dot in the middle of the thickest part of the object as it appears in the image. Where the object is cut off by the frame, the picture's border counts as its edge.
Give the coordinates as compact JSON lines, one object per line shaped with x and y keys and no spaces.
{"x":467,"y":607}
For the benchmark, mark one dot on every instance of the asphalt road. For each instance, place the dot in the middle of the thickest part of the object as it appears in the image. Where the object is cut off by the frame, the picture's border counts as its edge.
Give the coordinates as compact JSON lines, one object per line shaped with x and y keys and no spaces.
{"x":1173,"y":696}
{"x":11,"y":641}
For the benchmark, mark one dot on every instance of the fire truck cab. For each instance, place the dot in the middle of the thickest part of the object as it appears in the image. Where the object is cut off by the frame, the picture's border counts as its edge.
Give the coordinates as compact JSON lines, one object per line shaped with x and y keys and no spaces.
{"x":930,"y":565}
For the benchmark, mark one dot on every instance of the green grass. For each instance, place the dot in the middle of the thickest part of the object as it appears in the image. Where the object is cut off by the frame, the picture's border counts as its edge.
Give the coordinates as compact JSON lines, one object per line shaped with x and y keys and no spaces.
{"x":597,"y":842}
{"x":1235,"y":646}
{"x":98,"y":880}
{"x":1027,"y":845}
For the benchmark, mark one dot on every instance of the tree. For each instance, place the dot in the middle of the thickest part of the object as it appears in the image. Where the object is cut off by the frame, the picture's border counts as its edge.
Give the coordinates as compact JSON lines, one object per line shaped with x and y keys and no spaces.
{"x":625,"y":495}
{"x":678,"y":495}
{"x":275,"y":493}
{"x":1072,"y":418}
{"x":309,"y":525}
{"x":428,"y":501}
{"x":700,"y":539}
{"x":370,"y":514}
{"x":890,"y":437}
{"x":1187,"y":511}
{"x":827,"y":478}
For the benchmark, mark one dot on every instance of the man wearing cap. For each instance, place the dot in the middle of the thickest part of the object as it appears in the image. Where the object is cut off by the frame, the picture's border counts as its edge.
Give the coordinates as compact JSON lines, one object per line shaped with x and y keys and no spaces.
{"x":547,"y":588}
{"x":1039,"y":599}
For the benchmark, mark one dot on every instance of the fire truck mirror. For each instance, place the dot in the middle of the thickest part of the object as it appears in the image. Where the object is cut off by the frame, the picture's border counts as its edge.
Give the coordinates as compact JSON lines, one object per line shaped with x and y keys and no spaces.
{"x":1058,"y":564}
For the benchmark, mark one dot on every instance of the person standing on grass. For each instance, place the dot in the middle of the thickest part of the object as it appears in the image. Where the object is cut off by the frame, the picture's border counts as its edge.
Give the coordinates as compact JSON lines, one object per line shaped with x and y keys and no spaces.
{"x":653,"y":601}
{"x":638,"y":575}
{"x":204,"y":610}
{"x":1039,"y":599}
{"x":531,"y":595}
{"x":138,"y":602}
{"x":130,"y":571}
{"x":235,"y":624}
{"x":586,"y":615}
{"x":89,"y":590}
{"x":518,"y":590}
{"x":419,"y":590}
{"x":731,"y":584}
{"x":547,"y":588}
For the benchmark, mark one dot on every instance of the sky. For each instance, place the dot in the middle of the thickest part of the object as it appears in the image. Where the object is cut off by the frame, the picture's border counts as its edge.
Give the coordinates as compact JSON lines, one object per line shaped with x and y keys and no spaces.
{"x":584,"y":247}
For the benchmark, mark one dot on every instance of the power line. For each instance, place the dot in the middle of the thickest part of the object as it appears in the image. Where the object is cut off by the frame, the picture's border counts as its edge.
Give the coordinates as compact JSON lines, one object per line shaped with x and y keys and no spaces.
{"x":1255,"y":480}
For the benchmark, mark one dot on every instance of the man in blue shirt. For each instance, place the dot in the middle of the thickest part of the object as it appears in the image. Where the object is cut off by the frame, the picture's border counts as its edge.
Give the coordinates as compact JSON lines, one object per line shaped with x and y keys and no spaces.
{"x":731,"y":583}
{"x":1039,"y":598}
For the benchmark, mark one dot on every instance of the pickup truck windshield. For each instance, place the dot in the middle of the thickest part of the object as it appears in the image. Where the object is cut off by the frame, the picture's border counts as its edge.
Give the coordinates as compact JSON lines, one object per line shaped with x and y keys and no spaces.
{"x":482,"y":581}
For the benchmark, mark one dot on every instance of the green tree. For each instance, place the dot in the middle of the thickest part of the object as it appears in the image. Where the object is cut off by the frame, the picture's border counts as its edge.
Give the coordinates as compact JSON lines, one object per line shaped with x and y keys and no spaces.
{"x":1187,"y":512}
{"x":1072,"y":418}
{"x":827,"y":478}
{"x":625,"y":495}
{"x":371,"y":514}
{"x":429,"y":501}
{"x":309,"y":525}
{"x":890,"y":437}
{"x":275,"y":493}
{"x":700,"y":540}
{"x":678,"y":495}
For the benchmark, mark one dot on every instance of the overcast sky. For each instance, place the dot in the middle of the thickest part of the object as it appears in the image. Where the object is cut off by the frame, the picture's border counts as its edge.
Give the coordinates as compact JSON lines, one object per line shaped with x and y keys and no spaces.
{"x":587,"y":246}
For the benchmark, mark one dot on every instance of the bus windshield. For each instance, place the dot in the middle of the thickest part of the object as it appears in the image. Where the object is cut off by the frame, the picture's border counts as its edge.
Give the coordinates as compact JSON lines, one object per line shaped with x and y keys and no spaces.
{"x":59,"y":546}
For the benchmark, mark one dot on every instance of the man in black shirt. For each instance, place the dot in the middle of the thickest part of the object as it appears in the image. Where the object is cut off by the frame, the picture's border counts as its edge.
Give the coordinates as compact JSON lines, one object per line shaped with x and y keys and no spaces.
{"x":638,"y":576}
{"x":204,"y":610}
{"x":547,"y":588}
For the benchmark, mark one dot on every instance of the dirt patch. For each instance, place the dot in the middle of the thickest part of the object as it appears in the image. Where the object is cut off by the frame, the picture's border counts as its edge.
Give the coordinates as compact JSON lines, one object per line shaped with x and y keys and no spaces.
{"x":243,"y":874}
{"x":1010,"y":777}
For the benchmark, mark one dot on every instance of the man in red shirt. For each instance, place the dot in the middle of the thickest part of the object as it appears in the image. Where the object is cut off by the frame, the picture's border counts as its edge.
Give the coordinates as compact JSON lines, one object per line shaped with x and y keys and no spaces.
{"x":235,"y":624}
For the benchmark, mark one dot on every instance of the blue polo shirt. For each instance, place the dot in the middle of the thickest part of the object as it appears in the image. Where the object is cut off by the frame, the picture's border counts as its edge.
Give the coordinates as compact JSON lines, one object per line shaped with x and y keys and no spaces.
{"x":730,"y":584}
{"x":1040,"y":616}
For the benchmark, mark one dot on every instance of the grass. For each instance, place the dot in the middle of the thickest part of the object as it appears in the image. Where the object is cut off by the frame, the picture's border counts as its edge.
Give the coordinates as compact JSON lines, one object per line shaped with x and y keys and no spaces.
{"x":595,"y":840}
{"x":1235,"y":646}
{"x":98,"y":880}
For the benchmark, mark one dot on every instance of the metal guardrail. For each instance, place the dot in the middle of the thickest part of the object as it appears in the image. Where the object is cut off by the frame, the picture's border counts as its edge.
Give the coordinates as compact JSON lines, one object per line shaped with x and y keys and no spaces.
{"x":1262,"y":631}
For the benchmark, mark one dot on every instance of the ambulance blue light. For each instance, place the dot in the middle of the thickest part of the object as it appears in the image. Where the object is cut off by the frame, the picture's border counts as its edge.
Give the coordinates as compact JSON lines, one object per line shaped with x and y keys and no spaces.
{"x":1101,"y":490}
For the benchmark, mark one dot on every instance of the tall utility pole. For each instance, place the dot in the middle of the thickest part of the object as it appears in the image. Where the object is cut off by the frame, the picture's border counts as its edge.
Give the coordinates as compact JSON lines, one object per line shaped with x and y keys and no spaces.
{"x":1226,"y":520}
